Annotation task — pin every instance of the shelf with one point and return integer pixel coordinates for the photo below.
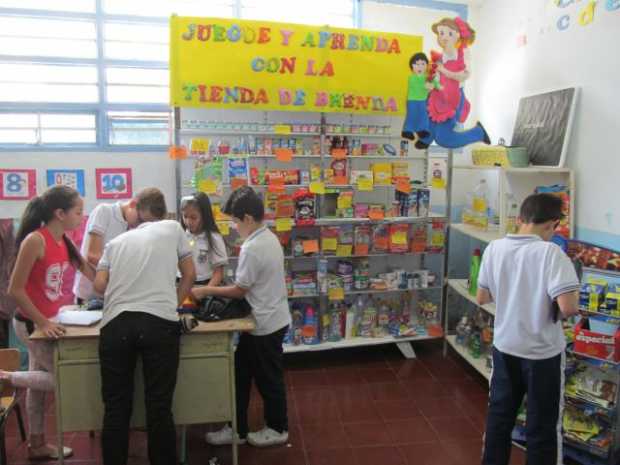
(368, 292)
(509, 169)
(337, 221)
(460, 286)
(608, 412)
(362, 136)
(479, 364)
(355, 342)
(310, 296)
(325, 157)
(476, 233)
(242, 132)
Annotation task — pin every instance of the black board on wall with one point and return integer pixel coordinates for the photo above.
(543, 125)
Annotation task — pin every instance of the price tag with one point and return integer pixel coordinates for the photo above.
(403, 185)
(364, 184)
(344, 201)
(339, 154)
(199, 145)
(339, 180)
(311, 246)
(335, 293)
(282, 129)
(236, 183)
(284, 224)
(284, 155)
(224, 227)
(208, 186)
(437, 239)
(177, 152)
(399, 238)
(330, 243)
(317, 187)
(438, 183)
(344, 250)
(376, 215)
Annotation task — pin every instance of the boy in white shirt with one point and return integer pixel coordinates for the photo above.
(524, 273)
(105, 222)
(260, 278)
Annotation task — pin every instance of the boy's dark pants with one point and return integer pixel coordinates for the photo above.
(542, 381)
(259, 358)
(157, 342)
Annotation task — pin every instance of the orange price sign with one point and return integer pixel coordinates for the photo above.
(403, 185)
(376, 215)
(177, 152)
(276, 185)
(339, 154)
(284, 155)
(311, 246)
(236, 183)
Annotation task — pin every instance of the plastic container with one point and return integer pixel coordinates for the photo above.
(474, 269)
(480, 205)
(518, 157)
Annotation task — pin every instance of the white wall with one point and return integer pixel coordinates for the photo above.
(584, 56)
(148, 170)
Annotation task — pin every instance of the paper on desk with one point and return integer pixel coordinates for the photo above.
(79, 317)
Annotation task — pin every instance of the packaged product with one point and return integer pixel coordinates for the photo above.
(419, 239)
(362, 235)
(382, 173)
(329, 239)
(398, 238)
(237, 168)
(380, 238)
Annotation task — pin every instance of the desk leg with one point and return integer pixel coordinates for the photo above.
(233, 395)
(57, 402)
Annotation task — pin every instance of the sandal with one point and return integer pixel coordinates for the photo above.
(48, 452)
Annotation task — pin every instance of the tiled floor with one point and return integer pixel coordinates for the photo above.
(366, 406)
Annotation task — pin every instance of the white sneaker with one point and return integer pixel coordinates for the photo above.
(267, 437)
(223, 437)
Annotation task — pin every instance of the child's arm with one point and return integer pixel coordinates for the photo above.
(232, 292)
(188, 275)
(101, 281)
(87, 268)
(31, 249)
(569, 303)
(217, 276)
(95, 248)
(483, 296)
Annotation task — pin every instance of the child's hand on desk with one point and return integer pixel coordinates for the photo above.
(199, 293)
(54, 330)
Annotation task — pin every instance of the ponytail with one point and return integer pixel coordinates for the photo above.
(32, 218)
(75, 257)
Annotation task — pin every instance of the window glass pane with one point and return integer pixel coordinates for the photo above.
(84, 6)
(139, 128)
(61, 120)
(136, 51)
(157, 77)
(48, 47)
(18, 120)
(68, 136)
(158, 34)
(48, 93)
(333, 12)
(137, 94)
(165, 8)
(18, 136)
(18, 26)
(17, 73)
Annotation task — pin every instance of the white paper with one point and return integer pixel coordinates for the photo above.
(79, 317)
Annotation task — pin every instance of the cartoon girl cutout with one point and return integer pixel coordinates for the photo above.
(447, 105)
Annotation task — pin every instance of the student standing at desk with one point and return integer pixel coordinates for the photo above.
(137, 274)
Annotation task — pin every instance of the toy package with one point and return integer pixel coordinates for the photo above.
(362, 236)
(329, 239)
(380, 238)
(237, 168)
(419, 238)
(361, 210)
(305, 206)
(398, 238)
(438, 237)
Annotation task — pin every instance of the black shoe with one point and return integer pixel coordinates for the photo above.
(422, 134)
(407, 135)
(421, 145)
(486, 139)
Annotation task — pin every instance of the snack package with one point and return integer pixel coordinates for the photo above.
(380, 238)
(270, 200)
(398, 238)
(591, 297)
(357, 174)
(329, 239)
(382, 173)
(361, 210)
(285, 206)
(361, 237)
(419, 238)
(237, 168)
(438, 237)
(305, 205)
(400, 169)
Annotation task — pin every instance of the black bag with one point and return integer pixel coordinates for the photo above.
(221, 308)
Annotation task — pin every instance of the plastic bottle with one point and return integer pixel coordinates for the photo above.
(354, 313)
(480, 204)
(474, 269)
(383, 320)
(368, 319)
(310, 330)
(460, 330)
(475, 344)
(512, 212)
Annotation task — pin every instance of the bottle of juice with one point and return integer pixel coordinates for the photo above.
(474, 269)
(460, 331)
(480, 204)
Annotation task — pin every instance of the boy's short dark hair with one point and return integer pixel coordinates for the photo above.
(417, 57)
(244, 201)
(540, 208)
(152, 200)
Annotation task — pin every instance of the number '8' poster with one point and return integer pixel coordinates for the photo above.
(18, 184)
(114, 183)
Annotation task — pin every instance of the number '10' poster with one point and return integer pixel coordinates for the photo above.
(114, 183)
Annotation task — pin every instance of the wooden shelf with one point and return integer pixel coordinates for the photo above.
(510, 169)
(354, 342)
(479, 364)
(460, 286)
(476, 233)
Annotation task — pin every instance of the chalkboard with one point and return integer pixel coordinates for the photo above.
(543, 125)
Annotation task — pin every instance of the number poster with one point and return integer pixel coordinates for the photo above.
(18, 184)
(71, 178)
(114, 183)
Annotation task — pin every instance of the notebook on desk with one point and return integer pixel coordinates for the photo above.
(79, 317)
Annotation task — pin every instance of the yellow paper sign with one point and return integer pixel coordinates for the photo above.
(344, 250)
(438, 183)
(335, 293)
(437, 239)
(399, 238)
(330, 243)
(317, 187)
(224, 227)
(365, 184)
(344, 201)
(208, 186)
(284, 224)
(199, 145)
(288, 67)
(282, 129)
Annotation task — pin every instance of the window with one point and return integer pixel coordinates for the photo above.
(164, 8)
(139, 128)
(136, 41)
(85, 6)
(47, 128)
(338, 13)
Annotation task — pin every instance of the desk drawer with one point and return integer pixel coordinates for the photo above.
(78, 349)
(204, 343)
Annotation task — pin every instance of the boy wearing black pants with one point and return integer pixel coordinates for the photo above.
(260, 279)
(524, 273)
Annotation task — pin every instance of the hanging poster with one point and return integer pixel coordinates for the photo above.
(18, 184)
(113, 183)
(290, 67)
(71, 178)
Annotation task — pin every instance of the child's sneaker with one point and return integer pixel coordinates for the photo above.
(267, 437)
(223, 437)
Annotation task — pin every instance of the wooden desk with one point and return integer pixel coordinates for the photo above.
(205, 391)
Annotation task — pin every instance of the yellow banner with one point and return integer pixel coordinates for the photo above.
(259, 65)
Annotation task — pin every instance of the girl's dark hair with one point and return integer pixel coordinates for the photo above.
(200, 201)
(245, 201)
(540, 208)
(40, 210)
(417, 57)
